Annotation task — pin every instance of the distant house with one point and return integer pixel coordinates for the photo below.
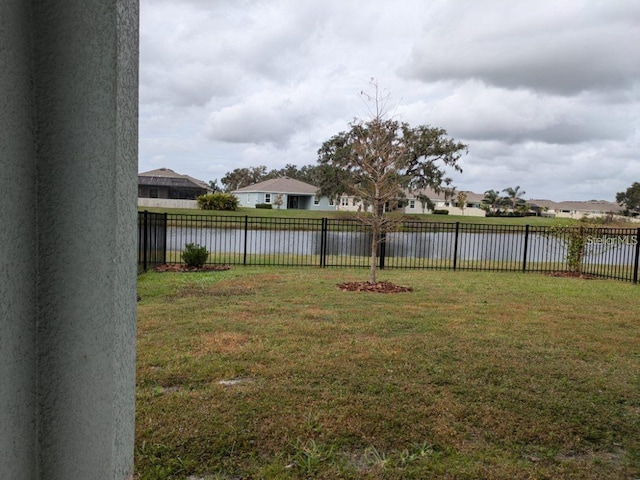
(415, 202)
(576, 210)
(283, 193)
(165, 188)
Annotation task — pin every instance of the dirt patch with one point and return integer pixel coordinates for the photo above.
(379, 287)
(177, 267)
(584, 276)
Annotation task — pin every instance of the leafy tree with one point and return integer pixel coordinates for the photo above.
(213, 185)
(630, 199)
(426, 202)
(278, 200)
(513, 195)
(377, 160)
(304, 173)
(243, 177)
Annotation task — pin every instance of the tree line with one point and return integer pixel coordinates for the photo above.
(244, 177)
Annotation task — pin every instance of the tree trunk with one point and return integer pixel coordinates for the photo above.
(374, 256)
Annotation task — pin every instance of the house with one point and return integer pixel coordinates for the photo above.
(412, 203)
(284, 193)
(165, 188)
(575, 210)
(415, 202)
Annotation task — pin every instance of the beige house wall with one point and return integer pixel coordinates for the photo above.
(439, 205)
(167, 203)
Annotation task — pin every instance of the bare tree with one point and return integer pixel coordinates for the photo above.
(462, 201)
(381, 158)
(277, 201)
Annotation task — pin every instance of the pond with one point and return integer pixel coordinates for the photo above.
(499, 247)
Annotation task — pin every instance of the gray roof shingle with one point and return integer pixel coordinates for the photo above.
(165, 177)
(280, 185)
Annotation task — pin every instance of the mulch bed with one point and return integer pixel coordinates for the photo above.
(380, 287)
(177, 267)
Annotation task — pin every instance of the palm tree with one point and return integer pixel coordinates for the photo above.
(491, 200)
(514, 194)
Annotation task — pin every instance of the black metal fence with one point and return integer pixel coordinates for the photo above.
(603, 252)
(152, 240)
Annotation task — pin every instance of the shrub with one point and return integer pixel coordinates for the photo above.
(218, 201)
(441, 212)
(195, 255)
(268, 206)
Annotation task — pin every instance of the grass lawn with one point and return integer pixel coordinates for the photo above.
(274, 373)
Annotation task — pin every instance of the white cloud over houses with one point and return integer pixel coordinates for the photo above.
(546, 94)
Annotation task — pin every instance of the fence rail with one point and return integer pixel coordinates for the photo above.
(603, 252)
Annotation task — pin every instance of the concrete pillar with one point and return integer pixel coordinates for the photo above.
(68, 172)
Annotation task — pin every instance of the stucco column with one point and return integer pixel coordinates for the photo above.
(68, 166)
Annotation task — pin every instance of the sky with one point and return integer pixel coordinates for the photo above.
(545, 93)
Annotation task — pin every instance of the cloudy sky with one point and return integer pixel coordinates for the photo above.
(545, 93)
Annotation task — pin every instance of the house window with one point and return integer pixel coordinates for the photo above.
(267, 198)
(344, 201)
(331, 202)
(153, 193)
(412, 204)
(316, 200)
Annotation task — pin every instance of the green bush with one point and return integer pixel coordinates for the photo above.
(441, 212)
(218, 201)
(195, 255)
(268, 206)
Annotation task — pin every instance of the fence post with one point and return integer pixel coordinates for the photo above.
(145, 240)
(246, 228)
(526, 246)
(382, 242)
(323, 243)
(635, 266)
(455, 247)
(164, 245)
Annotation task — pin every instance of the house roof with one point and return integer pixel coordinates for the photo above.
(430, 194)
(165, 177)
(595, 206)
(474, 197)
(286, 185)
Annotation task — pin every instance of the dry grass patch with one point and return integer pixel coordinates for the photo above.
(471, 375)
(224, 342)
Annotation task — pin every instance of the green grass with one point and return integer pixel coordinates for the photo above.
(291, 213)
(472, 375)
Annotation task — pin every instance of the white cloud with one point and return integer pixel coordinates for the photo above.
(545, 93)
(475, 111)
(560, 47)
